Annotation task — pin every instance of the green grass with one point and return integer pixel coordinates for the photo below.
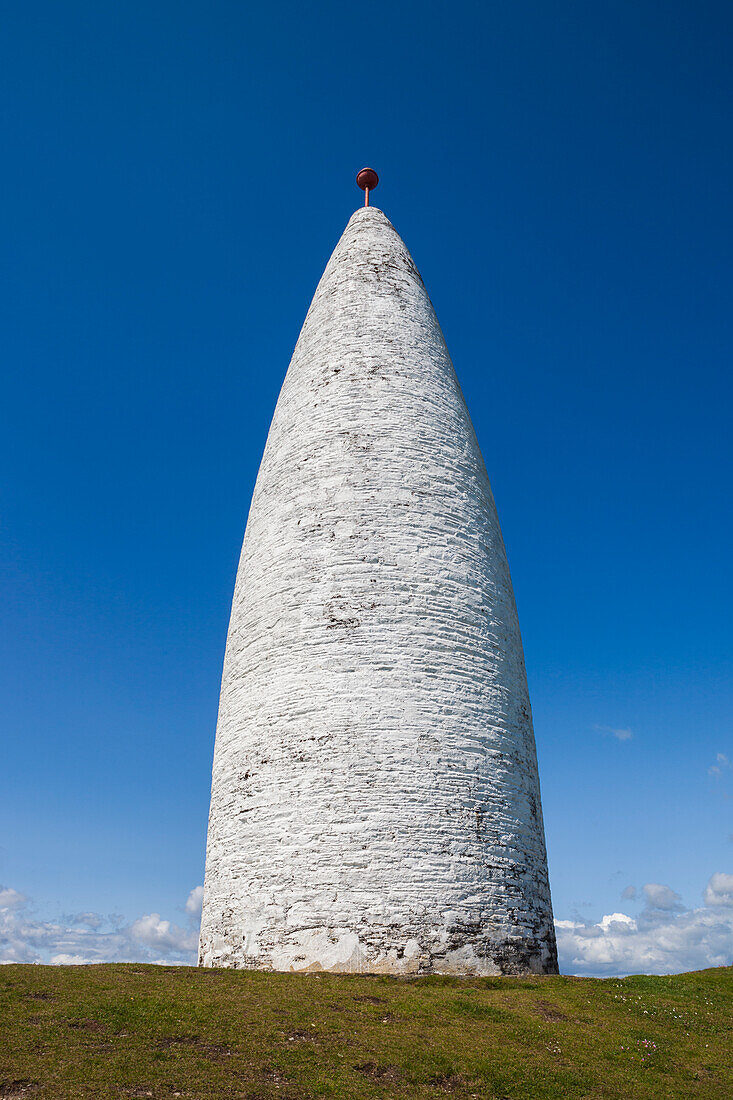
(124, 1031)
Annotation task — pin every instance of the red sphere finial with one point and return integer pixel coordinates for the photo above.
(367, 179)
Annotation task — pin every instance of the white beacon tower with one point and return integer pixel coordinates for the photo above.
(375, 802)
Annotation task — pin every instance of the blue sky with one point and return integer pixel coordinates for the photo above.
(175, 177)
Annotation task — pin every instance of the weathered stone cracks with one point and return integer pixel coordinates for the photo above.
(375, 800)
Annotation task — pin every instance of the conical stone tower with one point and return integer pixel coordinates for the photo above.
(375, 802)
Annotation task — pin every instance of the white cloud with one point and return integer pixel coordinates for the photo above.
(11, 899)
(91, 920)
(621, 922)
(195, 901)
(662, 897)
(721, 763)
(719, 890)
(664, 939)
(89, 938)
(621, 734)
(152, 931)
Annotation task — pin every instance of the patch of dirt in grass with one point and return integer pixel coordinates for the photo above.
(272, 1073)
(282, 1096)
(447, 1082)
(86, 1025)
(301, 1036)
(143, 1092)
(375, 1072)
(41, 995)
(217, 1051)
(16, 1090)
(367, 1000)
(178, 1040)
(280, 1080)
(548, 1011)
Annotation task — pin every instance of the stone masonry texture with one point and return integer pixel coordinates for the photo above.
(375, 802)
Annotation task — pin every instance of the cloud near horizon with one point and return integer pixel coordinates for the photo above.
(195, 901)
(664, 938)
(89, 937)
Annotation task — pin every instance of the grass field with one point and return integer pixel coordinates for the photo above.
(129, 1030)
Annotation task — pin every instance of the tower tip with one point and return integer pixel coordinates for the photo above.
(367, 179)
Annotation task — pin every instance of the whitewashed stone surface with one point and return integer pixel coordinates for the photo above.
(375, 802)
